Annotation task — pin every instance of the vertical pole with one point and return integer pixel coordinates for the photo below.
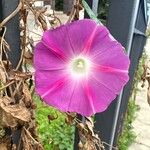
(67, 6)
(13, 38)
(128, 49)
(53, 4)
(50, 2)
(90, 2)
(95, 6)
(0, 11)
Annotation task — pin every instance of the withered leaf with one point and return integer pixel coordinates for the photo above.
(89, 145)
(8, 120)
(5, 143)
(52, 117)
(88, 139)
(3, 146)
(28, 57)
(2, 75)
(16, 111)
(29, 143)
(70, 118)
(146, 76)
(18, 75)
(148, 95)
(26, 92)
(90, 125)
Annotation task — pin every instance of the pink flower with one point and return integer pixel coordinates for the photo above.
(80, 67)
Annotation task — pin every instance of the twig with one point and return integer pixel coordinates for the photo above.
(1, 52)
(115, 148)
(28, 133)
(73, 11)
(1, 43)
(34, 33)
(23, 44)
(5, 86)
(54, 16)
(17, 88)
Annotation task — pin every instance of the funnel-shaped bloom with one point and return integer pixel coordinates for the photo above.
(80, 67)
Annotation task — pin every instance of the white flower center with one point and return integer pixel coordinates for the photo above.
(80, 67)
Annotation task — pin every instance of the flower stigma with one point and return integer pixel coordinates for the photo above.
(80, 67)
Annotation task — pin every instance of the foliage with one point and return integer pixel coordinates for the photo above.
(138, 75)
(103, 10)
(54, 134)
(128, 136)
(59, 4)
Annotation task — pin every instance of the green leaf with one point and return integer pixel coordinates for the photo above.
(90, 12)
(56, 134)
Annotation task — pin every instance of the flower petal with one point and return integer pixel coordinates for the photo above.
(100, 99)
(81, 34)
(62, 93)
(101, 41)
(53, 88)
(44, 59)
(106, 51)
(80, 102)
(58, 41)
(111, 78)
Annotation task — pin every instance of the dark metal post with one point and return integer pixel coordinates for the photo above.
(13, 38)
(67, 5)
(0, 11)
(90, 2)
(13, 32)
(50, 2)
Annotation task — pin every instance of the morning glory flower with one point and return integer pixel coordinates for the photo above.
(80, 67)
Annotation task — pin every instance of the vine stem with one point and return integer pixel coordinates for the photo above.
(11, 15)
(5, 86)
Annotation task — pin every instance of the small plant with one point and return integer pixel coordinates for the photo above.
(128, 136)
(54, 133)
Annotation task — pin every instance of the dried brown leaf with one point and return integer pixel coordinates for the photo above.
(3, 146)
(8, 120)
(52, 117)
(18, 75)
(148, 95)
(29, 142)
(70, 119)
(88, 139)
(2, 75)
(27, 94)
(28, 57)
(146, 76)
(89, 124)
(89, 145)
(16, 111)
(26, 141)
(5, 143)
